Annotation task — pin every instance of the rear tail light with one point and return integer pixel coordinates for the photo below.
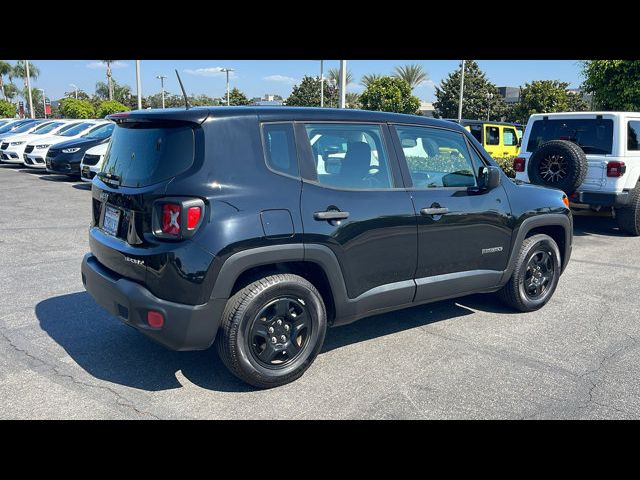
(518, 164)
(193, 217)
(177, 218)
(616, 169)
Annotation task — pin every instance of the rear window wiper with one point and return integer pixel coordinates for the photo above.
(110, 177)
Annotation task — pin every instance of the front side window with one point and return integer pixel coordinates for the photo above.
(476, 131)
(493, 136)
(280, 148)
(436, 157)
(510, 137)
(349, 156)
(101, 132)
(633, 135)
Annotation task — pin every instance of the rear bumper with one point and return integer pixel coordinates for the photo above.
(616, 199)
(186, 327)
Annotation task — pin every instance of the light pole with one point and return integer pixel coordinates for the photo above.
(321, 83)
(75, 88)
(461, 92)
(44, 102)
(161, 78)
(489, 97)
(343, 83)
(138, 85)
(26, 66)
(227, 70)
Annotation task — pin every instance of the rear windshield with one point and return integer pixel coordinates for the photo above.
(143, 154)
(592, 135)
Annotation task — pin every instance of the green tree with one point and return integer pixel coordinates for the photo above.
(82, 95)
(575, 103)
(72, 108)
(10, 91)
(110, 106)
(541, 96)
(109, 78)
(352, 100)
(236, 97)
(7, 109)
(369, 77)
(334, 76)
(121, 93)
(390, 94)
(413, 74)
(307, 94)
(614, 84)
(5, 70)
(480, 95)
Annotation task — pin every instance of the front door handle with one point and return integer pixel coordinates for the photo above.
(434, 211)
(329, 215)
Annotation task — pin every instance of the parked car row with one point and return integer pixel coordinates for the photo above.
(56, 145)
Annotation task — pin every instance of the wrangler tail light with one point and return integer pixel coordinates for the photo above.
(176, 218)
(616, 169)
(518, 164)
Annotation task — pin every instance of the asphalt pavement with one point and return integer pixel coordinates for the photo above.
(64, 357)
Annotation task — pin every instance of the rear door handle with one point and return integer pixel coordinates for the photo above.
(329, 215)
(434, 211)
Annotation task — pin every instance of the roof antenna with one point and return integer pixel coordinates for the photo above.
(184, 94)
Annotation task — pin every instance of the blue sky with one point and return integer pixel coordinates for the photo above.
(258, 77)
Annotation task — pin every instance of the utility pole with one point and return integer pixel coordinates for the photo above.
(461, 93)
(343, 83)
(321, 83)
(227, 70)
(138, 85)
(26, 66)
(161, 78)
(75, 88)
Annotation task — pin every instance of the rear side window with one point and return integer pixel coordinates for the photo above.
(280, 148)
(349, 156)
(633, 135)
(142, 154)
(591, 134)
(510, 138)
(493, 136)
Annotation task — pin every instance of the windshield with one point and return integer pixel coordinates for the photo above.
(593, 135)
(77, 129)
(67, 127)
(24, 128)
(47, 128)
(101, 132)
(143, 154)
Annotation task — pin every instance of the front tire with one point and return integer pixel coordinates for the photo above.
(272, 330)
(535, 276)
(628, 217)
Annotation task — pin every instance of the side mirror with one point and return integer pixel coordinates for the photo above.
(488, 177)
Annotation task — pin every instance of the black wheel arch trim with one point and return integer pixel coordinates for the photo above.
(543, 220)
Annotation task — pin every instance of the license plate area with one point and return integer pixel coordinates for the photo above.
(111, 221)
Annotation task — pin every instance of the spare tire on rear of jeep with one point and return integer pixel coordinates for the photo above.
(559, 164)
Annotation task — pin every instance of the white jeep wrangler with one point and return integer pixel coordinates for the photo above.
(593, 156)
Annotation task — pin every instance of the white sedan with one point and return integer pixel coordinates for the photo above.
(36, 150)
(92, 161)
(12, 149)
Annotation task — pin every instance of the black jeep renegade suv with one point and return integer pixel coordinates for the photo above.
(269, 224)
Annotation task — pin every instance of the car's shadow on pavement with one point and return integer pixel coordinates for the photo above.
(82, 186)
(584, 224)
(52, 177)
(114, 352)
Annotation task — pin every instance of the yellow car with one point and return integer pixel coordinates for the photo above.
(498, 138)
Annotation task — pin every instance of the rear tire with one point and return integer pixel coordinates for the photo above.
(283, 307)
(628, 217)
(535, 276)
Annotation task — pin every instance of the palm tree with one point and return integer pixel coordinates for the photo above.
(370, 77)
(108, 63)
(10, 91)
(352, 100)
(413, 74)
(334, 76)
(5, 69)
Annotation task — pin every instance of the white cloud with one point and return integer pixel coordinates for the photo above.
(280, 78)
(209, 72)
(116, 64)
(428, 84)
